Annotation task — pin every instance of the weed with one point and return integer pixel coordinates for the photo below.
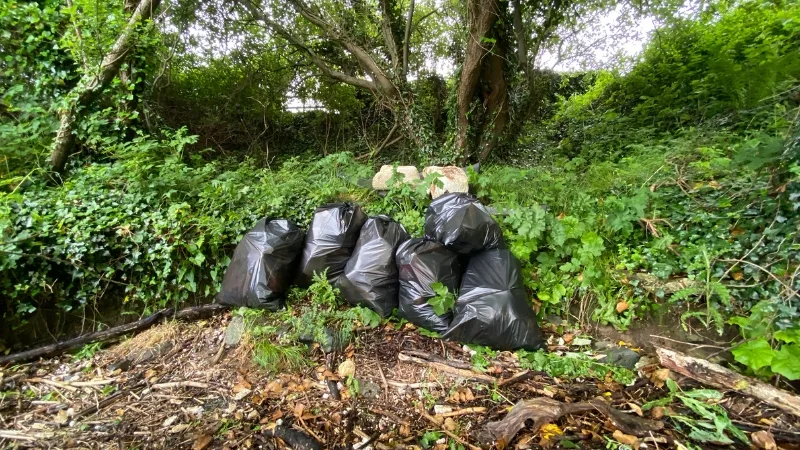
(714, 424)
(573, 365)
(443, 301)
(88, 351)
(279, 358)
(429, 438)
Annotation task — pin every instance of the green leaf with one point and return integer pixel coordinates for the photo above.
(787, 361)
(788, 336)
(754, 354)
(443, 301)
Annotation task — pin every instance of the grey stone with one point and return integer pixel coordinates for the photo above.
(368, 389)
(622, 357)
(234, 331)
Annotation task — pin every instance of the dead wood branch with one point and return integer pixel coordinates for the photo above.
(191, 313)
(464, 411)
(448, 370)
(179, 384)
(546, 410)
(438, 359)
(719, 377)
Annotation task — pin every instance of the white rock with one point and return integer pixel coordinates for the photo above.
(453, 179)
(381, 179)
(441, 409)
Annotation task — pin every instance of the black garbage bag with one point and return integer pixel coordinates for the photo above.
(370, 276)
(330, 241)
(462, 224)
(263, 265)
(492, 308)
(420, 263)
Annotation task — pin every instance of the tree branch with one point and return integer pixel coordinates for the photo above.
(407, 37)
(386, 86)
(388, 36)
(297, 42)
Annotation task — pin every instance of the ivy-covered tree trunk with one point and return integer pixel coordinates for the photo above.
(483, 76)
(91, 86)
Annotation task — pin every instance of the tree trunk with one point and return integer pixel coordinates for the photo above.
(482, 14)
(92, 86)
(495, 100)
(407, 38)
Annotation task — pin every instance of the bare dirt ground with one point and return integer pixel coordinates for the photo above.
(172, 387)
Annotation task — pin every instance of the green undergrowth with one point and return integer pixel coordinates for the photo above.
(151, 230)
(314, 317)
(574, 365)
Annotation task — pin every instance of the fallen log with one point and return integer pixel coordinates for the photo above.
(546, 410)
(191, 313)
(719, 377)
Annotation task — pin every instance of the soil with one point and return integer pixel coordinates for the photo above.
(177, 386)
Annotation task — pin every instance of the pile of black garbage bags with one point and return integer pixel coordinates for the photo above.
(375, 263)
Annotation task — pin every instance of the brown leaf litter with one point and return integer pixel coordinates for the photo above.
(145, 393)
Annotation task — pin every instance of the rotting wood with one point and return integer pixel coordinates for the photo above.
(719, 377)
(188, 314)
(546, 410)
(448, 370)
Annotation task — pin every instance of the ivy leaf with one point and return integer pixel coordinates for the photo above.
(754, 354)
(787, 362)
(788, 336)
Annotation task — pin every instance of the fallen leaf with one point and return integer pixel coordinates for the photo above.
(622, 306)
(347, 368)
(180, 428)
(241, 386)
(202, 442)
(658, 412)
(550, 430)
(659, 377)
(61, 417)
(626, 439)
(242, 394)
(450, 424)
(635, 408)
(298, 409)
(763, 439)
